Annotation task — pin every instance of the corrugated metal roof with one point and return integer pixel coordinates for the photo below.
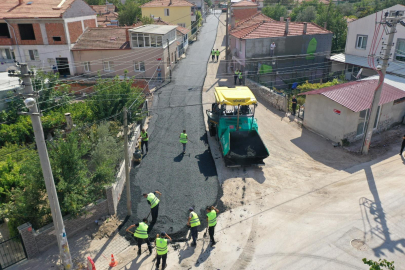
(358, 95)
(397, 68)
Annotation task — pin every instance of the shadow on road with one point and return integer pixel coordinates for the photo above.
(380, 230)
(179, 157)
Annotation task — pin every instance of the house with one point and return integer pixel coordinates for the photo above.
(172, 11)
(8, 86)
(139, 51)
(106, 15)
(41, 32)
(300, 52)
(359, 41)
(242, 10)
(339, 112)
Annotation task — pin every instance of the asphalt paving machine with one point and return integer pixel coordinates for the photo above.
(231, 120)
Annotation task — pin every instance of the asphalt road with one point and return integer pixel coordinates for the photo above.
(188, 180)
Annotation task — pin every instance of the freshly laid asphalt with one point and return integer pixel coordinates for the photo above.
(188, 180)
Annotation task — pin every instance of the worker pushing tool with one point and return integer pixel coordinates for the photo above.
(212, 222)
(144, 140)
(141, 234)
(153, 200)
(161, 243)
(193, 222)
(183, 140)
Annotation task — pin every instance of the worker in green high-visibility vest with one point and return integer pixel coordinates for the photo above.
(212, 55)
(161, 243)
(184, 140)
(217, 54)
(193, 222)
(153, 201)
(141, 234)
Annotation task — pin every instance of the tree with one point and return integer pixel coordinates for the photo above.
(307, 15)
(275, 12)
(379, 265)
(335, 22)
(279, 2)
(129, 13)
(147, 20)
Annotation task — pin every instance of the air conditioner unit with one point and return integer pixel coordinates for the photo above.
(393, 13)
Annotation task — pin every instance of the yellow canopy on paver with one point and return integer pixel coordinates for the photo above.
(234, 96)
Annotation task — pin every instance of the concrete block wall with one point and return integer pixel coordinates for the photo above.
(115, 190)
(271, 98)
(39, 241)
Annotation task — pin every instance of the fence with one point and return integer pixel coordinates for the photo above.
(12, 251)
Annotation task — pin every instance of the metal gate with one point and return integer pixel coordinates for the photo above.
(12, 251)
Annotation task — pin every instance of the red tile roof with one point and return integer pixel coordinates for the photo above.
(256, 18)
(245, 3)
(166, 3)
(358, 96)
(37, 8)
(113, 38)
(277, 29)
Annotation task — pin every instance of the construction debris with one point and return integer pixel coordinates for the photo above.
(108, 225)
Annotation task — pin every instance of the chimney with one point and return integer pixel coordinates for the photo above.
(305, 28)
(170, 2)
(20, 2)
(286, 26)
(281, 19)
(324, 25)
(232, 22)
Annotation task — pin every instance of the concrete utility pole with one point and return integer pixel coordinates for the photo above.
(31, 104)
(127, 180)
(376, 98)
(227, 37)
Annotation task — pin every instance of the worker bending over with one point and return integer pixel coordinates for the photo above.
(141, 235)
(153, 200)
(161, 249)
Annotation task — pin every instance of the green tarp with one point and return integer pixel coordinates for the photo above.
(265, 69)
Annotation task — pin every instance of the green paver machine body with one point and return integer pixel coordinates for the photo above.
(231, 120)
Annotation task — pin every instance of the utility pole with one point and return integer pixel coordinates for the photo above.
(127, 181)
(376, 98)
(227, 37)
(170, 65)
(31, 104)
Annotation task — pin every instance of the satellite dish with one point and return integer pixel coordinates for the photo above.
(358, 74)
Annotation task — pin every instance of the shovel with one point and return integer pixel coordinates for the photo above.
(205, 234)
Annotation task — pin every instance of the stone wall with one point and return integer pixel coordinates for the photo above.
(382, 126)
(38, 241)
(270, 97)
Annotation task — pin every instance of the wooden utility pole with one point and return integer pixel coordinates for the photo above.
(127, 164)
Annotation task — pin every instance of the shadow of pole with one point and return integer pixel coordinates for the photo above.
(381, 230)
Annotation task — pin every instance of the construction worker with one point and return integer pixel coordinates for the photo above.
(240, 76)
(193, 222)
(144, 140)
(183, 139)
(153, 200)
(161, 249)
(212, 222)
(235, 76)
(141, 234)
(212, 55)
(217, 54)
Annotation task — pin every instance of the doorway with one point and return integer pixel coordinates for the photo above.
(63, 66)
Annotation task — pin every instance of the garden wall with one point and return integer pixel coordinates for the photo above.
(269, 96)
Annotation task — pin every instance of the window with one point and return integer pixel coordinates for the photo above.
(26, 31)
(166, 12)
(134, 38)
(400, 51)
(363, 115)
(108, 66)
(136, 66)
(140, 41)
(4, 32)
(86, 66)
(57, 38)
(361, 42)
(5, 54)
(147, 40)
(31, 55)
(153, 40)
(159, 41)
(181, 24)
(142, 66)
